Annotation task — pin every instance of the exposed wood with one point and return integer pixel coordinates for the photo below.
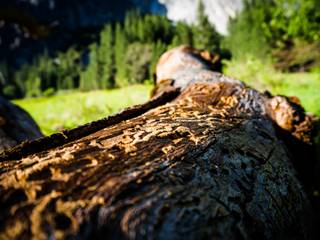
(213, 162)
(16, 125)
(66, 136)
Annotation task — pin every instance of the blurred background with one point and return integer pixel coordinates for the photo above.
(71, 62)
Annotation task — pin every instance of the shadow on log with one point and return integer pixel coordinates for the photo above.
(213, 160)
(16, 125)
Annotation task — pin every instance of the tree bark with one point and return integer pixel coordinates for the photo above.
(207, 157)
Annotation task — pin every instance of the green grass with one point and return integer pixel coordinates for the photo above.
(305, 86)
(70, 109)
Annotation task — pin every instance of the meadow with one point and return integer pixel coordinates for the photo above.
(263, 77)
(67, 110)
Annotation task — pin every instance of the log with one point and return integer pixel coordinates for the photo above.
(207, 157)
(16, 125)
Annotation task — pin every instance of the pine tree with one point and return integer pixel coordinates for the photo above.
(205, 35)
(45, 70)
(137, 59)
(246, 32)
(3, 74)
(158, 49)
(20, 78)
(33, 83)
(131, 25)
(183, 35)
(120, 50)
(89, 79)
(105, 58)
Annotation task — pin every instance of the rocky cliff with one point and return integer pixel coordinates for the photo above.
(218, 11)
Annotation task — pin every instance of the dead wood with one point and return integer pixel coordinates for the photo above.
(214, 161)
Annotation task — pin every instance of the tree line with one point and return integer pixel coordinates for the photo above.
(285, 31)
(125, 53)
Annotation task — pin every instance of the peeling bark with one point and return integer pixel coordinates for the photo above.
(209, 162)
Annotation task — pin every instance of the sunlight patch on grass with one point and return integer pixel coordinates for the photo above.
(70, 109)
(305, 86)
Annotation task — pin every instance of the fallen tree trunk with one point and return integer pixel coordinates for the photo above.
(16, 125)
(210, 161)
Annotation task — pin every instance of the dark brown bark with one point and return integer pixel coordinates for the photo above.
(16, 125)
(214, 162)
